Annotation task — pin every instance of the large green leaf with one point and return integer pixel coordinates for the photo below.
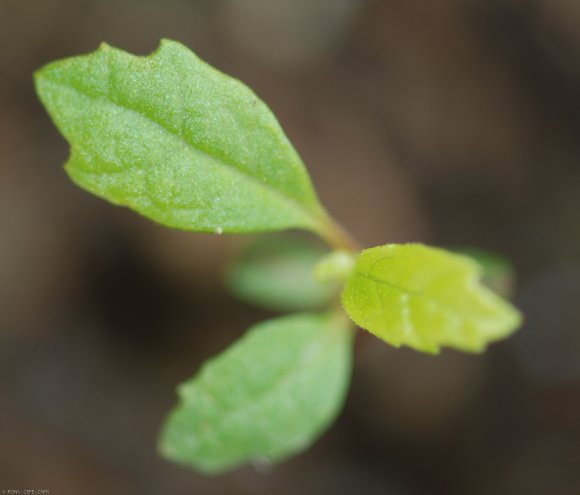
(277, 272)
(425, 298)
(268, 396)
(177, 141)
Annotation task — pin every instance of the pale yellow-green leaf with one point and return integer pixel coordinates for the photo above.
(425, 298)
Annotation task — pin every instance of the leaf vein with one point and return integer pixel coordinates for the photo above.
(231, 167)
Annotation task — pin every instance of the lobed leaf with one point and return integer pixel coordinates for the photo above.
(178, 141)
(425, 298)
(268, 396)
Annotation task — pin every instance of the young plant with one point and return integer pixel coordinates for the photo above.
(191, 148)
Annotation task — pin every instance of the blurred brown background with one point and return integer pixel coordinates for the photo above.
(452, 122)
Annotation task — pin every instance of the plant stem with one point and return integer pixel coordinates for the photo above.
(337, 237)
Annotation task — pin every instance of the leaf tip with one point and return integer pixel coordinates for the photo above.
(104, 47)
(164, 448)
(165, 42)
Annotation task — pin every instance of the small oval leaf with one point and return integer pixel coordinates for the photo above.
(268, 396)
(425, 298)
(277, 272)
(178, 141)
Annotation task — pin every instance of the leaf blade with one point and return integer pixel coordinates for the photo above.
(425, 298)
(266, 397)
(177, 141)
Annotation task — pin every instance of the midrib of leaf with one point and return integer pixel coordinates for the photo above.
(318, 217)
(447, 307)
(284, 378)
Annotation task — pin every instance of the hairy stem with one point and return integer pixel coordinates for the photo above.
(337, 237)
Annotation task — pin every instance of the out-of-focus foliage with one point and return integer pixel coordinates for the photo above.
(278, 272)
(268, 396)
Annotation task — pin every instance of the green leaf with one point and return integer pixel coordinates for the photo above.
(425, 298)
(268, 396)
(277, 272)
(178, 141)
(335, 267)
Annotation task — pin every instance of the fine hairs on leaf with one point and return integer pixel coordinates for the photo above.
(194, 149)
(266, 397)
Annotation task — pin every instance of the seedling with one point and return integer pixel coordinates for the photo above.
(191, 148)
